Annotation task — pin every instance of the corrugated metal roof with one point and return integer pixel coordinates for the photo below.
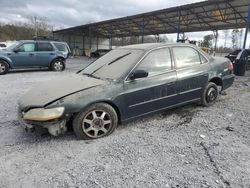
(202, 16)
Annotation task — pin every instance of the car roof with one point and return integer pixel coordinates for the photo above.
(150, 46)
(41, 41)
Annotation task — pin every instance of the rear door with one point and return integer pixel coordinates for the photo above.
(24, 55)
(192, 72)
(155, 92)
(45, 54)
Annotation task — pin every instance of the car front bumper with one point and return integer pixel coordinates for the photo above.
(55, 127)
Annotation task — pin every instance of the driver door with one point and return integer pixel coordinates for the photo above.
(154, 92)
(24, 55)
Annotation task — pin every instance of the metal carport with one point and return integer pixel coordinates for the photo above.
(212, 15)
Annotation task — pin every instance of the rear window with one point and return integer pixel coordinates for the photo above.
(61, 47)
(235, 52)
(2, 45)
(186, 57)
(44, 46)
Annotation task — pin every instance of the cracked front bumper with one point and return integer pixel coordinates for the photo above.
(55, 127)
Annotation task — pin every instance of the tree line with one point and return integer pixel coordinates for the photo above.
(235, 36)
(36, 26)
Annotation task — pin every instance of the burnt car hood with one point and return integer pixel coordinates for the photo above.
(53, 90)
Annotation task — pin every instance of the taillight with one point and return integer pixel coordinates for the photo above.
(231, 68)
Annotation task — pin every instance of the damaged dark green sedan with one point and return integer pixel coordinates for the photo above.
(124, 84)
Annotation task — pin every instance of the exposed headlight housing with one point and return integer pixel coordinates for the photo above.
(42, 114)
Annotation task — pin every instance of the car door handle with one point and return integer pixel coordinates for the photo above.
(31, 54)
(8, 53)
(51, 54)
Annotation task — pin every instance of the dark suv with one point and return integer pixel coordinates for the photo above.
(99, 52)
(34, 54)
(232, 56)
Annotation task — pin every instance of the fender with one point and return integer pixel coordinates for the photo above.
(7, 59)
(59, 57)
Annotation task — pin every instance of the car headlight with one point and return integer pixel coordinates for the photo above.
(42, 114)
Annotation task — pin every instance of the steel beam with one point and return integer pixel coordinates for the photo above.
(247, 28)
(110, 37)
(90, 39)
(142, 30)
(97, 41)
(216, 39)
(178, 25)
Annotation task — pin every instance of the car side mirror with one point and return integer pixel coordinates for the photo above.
(138, 74)
(16, 50)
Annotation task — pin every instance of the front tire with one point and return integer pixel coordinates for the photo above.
(4, 67)
(210, 94)
(97, 121)
(57, 65)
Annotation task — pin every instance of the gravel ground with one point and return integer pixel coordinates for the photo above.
(189, 146)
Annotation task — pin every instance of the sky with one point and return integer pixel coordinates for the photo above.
(68, 13)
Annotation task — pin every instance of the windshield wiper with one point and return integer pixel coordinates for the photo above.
(118, 58)
(79, 71)
(91, 75)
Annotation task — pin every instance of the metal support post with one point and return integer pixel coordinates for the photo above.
(178, 26)
(142, 31)
(247, 28)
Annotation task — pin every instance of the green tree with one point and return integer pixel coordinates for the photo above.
(20, 31)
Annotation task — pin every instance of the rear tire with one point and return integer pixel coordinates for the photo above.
(248, 65)
(97, 121)
(210, 94)
(4, 67)
(57, 65)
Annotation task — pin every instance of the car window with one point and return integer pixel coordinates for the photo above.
(235, 52)
(61, 47)
(2, 45)
(186, 57)
(27, 47)
(203, 59)
(44, 46)
(156, 62)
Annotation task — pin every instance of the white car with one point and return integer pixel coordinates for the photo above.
(2, 45)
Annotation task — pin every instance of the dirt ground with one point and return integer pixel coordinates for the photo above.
(191, 146)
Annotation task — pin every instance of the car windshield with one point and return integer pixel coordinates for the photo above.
(114, 64)
(12, 46)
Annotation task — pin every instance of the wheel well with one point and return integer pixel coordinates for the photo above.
(117, 110)
(6, 62)
(217, 81)
(59, 58)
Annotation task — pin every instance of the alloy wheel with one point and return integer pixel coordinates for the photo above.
(2, 67)
(96, 124)
(58, 66)
(211, 95)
